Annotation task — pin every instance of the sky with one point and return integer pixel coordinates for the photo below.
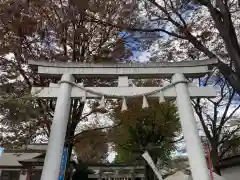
(111, 156)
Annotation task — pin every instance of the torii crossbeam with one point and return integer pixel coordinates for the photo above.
(179, 90)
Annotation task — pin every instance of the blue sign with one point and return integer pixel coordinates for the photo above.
(1, 151)
(63, 164)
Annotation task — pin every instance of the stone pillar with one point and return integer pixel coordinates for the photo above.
(51, 168)
(189, 127)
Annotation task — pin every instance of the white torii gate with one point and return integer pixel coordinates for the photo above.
(179, 90)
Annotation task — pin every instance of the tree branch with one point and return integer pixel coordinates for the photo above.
(21, 71)
(146, 30)
(232, 113)
(223, 119)
(178, 140)
(229, 135)
(95, 129)
(198, 111)
(164, 10)
(226, 150)
(178, 14)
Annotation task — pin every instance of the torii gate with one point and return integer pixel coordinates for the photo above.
(178, 89)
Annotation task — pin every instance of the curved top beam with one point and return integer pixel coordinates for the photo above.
(209, 62)
(133, 70)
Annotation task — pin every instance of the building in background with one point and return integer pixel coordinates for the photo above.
(27, 164)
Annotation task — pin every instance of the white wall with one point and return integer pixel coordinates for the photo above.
(231, 173)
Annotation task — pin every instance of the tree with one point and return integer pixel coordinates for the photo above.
(54, 30)
(215, 115)
(152, 129)
(198, 30)
(197, 23)
(55, 33)
(91, 144)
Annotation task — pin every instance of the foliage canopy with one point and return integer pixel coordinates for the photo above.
(152, 129)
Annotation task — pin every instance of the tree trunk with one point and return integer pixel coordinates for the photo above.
(232, 77)
(215, 160)
(69, 145)
(68, 167)
(223, 22)
(70, 133)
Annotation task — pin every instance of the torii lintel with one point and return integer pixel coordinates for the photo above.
(190, 69)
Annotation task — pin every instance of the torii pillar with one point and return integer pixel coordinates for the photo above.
(181, 92)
